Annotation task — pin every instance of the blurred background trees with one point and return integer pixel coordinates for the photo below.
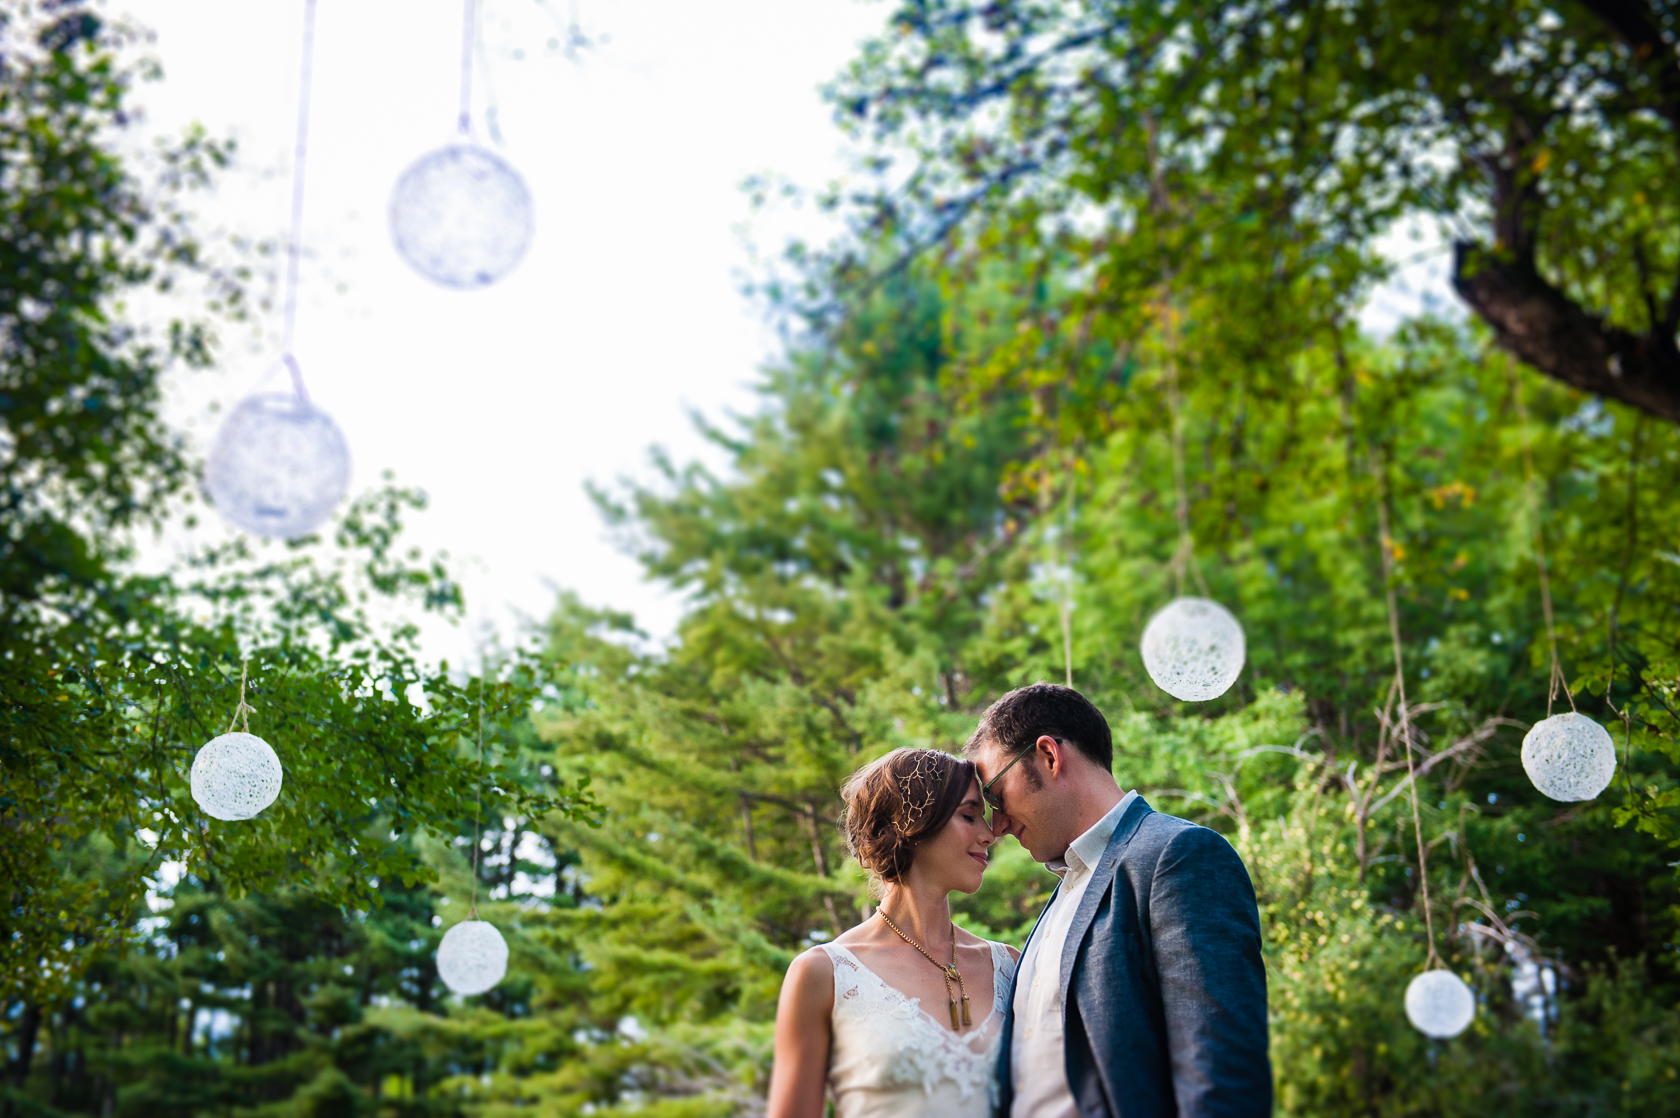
(1105, 238)
(1255, 149)
(111, 679)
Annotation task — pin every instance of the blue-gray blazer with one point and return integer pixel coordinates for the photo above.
(1165, 1015)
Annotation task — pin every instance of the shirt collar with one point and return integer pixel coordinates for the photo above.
(1086, 850)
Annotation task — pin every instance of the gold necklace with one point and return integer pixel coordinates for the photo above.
(949, 972)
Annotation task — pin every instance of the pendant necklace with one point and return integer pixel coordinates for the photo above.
(950, 971)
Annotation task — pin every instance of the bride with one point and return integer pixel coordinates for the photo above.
(900, 1016)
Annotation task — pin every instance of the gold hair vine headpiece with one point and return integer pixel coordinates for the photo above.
(923, 773)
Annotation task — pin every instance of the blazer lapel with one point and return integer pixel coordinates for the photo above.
(1102, 876)
(1054, 893)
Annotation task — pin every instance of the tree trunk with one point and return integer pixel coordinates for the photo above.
(821, 859)
(28, 1029)
(747, 825)
(1543, 327)
(1536, 321)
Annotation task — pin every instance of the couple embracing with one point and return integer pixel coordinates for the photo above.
(1140, 992)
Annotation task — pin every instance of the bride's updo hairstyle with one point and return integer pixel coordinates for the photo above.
(894, 803)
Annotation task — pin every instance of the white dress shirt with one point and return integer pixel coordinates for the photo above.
(1037, 1062)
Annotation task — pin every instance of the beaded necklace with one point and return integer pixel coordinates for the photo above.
(950, 971)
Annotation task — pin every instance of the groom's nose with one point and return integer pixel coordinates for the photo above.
(1002, 825)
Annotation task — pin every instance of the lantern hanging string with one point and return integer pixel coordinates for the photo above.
(1556, 682)
(1184, 558)
(1404, 730)
(244, 710)
(478, 808)
(1066, 604)
(294, 246)
(1625, 713)
(468, 14)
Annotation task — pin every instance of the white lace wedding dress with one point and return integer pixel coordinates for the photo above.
(891, 1059)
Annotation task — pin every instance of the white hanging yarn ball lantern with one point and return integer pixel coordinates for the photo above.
(279, 466)
(461, 216)
(1439, 1004)
(472, 957)
(1193, 649)
(1569, 757)
(235, 776)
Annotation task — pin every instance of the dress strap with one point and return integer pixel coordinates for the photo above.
(848, 974)
(838, 955)
(1003, 977)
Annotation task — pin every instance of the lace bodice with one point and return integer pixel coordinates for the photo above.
(891, 1059)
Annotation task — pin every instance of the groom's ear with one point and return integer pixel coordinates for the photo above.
(1053, 753)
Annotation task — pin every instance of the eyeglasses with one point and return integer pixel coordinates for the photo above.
(986, 793)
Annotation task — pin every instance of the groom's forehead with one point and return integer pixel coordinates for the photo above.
(986, 748)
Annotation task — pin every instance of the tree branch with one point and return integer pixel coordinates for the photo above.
(1542, 326)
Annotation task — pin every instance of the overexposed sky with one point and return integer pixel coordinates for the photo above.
(1421, 282)
(624, 316)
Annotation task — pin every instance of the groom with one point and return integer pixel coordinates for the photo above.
(1141, 992)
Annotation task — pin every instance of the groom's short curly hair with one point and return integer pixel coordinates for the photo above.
(892, 804)
(1025, 714)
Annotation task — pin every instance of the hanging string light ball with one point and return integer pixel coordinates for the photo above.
(1193, 649)
(1439, 1004)
(461, 216)
(235, 776)
(472, 957)
(1569, 757)
(279, 466)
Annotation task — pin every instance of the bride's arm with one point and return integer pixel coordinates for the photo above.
(803, 1026)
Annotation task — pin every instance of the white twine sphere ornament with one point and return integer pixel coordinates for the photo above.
(1569, 757)
(472, 957)
(235, 776)
(1439, 1004)
(1193, 648)
(461, 216)
(279, 466)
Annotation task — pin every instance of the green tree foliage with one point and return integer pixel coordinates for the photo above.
(720, 761)
(1128, 372)
(1199, 186)
(83, 455)
(1254, 151)
(236, 1003)
(834, 577)
(646, 982)
(110, 681)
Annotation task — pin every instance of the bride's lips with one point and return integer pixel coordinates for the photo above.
(981, 858)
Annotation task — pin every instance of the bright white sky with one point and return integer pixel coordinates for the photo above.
(624, 317)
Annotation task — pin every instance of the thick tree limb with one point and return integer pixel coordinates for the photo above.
(1542, 326)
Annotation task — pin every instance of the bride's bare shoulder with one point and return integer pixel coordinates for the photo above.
(866, 934)
(811, 959)
(968, 939)
(810, 979)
